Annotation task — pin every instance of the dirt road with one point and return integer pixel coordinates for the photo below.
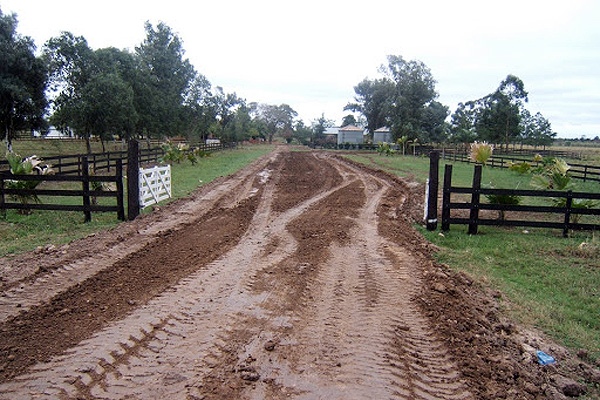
(299, 277)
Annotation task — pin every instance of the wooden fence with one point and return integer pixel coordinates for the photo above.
(566, 217)
(72, 164)
(86, 193)
(577, 171)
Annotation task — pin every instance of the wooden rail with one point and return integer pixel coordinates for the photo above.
(568, 215)
(577, 171)
(72, 164)
(85, 193)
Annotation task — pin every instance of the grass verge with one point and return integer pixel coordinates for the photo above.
(19, 233)
(549, 282)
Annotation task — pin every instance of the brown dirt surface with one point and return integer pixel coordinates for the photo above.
(299, 277)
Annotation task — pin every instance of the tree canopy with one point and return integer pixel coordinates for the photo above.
(23, 81)
(501, 117)
(403, 100)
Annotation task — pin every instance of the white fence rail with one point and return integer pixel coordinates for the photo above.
(155, 185)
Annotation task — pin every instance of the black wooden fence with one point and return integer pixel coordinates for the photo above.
(566, 217)
(76, 168)
(86, 193)
(72, 164)
(577, 171)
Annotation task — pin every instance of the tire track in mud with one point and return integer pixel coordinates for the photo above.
(364, 336)
(351, 327)
(308, 301)
(81, 310)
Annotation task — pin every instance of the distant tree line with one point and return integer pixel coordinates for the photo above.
(403, 99)
(153, 92)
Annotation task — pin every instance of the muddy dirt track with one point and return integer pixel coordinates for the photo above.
(299, 277)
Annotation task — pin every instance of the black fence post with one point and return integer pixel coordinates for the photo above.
(86, 189)
(432, 197)
(133, 180)
(568, 209)
(446, 197)
(120, 191)
(2, 209)
(475, 198)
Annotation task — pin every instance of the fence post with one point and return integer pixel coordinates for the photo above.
(2, 209)
(432, 203)
(133, 180)
(120, 191)
(475, 197)
(568, 209)
(86, 189)
(446, 198)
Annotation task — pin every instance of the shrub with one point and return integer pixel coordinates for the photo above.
(506, 199)
(26, 166)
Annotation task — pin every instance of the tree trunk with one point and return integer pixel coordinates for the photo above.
(88, 145)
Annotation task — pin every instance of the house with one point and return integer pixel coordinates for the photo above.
(382, 135)
(331, 134)
(53, 133)
(350, 134)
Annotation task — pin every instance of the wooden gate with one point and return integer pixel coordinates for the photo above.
(155, 185)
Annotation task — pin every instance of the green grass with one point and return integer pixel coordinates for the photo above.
(549, 282)
(59, 147)
(19, 233)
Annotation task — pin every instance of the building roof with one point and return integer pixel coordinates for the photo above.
(352, 128)
(383, 129)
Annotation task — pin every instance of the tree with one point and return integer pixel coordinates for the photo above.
(349, 120)
(414, 91)
(536, 130)
(462, 125)
(107, 108)
(225, 106)
(302, 133)
(434, 125)
(166, 77)
(319, 126)
(70, 62)
(277, 119)
(23, 82)
(199, 109)
(373, 100)
(495, 118)
(402, 100)
(500, 117)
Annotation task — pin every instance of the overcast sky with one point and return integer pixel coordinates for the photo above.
(310, 54)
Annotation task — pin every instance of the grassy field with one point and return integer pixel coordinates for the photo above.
(549, 282)
(20, 233)
(59, 147)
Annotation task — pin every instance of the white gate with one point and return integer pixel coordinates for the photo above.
(155, 185)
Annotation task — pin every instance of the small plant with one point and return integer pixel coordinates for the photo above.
(481, 152)
(504, 199)
(520, 168)
(26, 166)
(99, 186)
(552, 174)
(174, 153)
(385, 148)
(197, 153)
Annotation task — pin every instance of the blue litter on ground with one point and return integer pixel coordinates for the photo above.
(545, 359)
